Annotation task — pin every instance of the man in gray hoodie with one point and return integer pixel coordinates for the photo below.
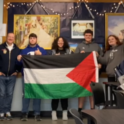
(88, 46)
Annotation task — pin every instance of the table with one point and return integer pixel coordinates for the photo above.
(108, 116)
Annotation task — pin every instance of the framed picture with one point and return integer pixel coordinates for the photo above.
(46, 27)
(79, 26)
(114, 24)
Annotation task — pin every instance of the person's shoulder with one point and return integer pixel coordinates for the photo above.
(2, 45)
(95, 44)
(41, 47)
(16, 47)
(24, 51)
(81, 44)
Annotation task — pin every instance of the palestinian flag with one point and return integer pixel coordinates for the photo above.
(63, 76)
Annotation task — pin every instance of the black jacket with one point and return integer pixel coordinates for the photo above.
(8, 60)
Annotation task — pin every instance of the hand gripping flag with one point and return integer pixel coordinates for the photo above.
(63, 76)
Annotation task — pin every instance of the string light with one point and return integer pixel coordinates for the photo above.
(8, 5)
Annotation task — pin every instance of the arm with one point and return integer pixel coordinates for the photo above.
(53, 52)
(100, 51)
(103, 60)
(43, 51)
(77, 49)
(19, 63)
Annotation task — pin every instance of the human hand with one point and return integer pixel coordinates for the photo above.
(19, 57)
(82, 52)
(58, 54)
(14, 74)
(2, 74)
(99, 66)
(37, 52)
(97, 54)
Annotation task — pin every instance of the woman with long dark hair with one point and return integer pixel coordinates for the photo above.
(114, 56)
(60, 46)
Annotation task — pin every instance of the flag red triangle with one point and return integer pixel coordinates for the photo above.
(85, 72)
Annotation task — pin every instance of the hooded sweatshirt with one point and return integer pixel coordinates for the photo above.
(30, 51)
(112, 58)
(89, 47)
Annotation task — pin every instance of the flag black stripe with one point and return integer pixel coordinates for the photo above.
(53, 61)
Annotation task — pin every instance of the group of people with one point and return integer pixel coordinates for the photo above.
(11, 64)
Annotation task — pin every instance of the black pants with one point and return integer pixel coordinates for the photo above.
(55, 103)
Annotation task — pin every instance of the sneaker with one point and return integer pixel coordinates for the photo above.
(54, 116)
(24, 117)
(37, 117)
(64, 115)
(1, 118)
(8, 117)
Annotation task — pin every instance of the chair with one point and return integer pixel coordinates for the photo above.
(98, 94)
(119, 99)
(111, 86)
(76, 115)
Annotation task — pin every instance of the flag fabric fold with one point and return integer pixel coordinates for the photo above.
(57, 77)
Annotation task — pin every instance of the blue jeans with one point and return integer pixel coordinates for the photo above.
(25, 103)
(7, 85)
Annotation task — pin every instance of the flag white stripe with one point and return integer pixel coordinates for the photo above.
(47, 76)
(96, 64)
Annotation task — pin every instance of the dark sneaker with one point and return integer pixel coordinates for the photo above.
(8, 117)
(37, 117)
(1, 118)
(24, 117)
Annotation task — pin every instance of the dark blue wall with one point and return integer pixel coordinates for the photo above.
(82, 13)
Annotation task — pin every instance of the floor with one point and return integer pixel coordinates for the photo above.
(44, 121)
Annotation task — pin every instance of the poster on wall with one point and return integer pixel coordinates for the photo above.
(79, 26)
(114, 25)
(46, 27)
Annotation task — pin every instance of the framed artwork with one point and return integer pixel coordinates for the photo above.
(46, 27)
(114, 25)
(79, 26)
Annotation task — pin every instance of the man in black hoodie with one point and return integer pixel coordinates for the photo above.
(8, 71)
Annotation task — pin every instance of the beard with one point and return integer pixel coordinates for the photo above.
(32, 44)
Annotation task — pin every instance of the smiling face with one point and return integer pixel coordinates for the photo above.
(60, 43)
(10, 38)
(32, 40)
(112, 41)
(88, 37)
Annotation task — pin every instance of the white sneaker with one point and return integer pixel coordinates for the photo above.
(64, 115)
(1, 116)
(54, 116)
(8, 116)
